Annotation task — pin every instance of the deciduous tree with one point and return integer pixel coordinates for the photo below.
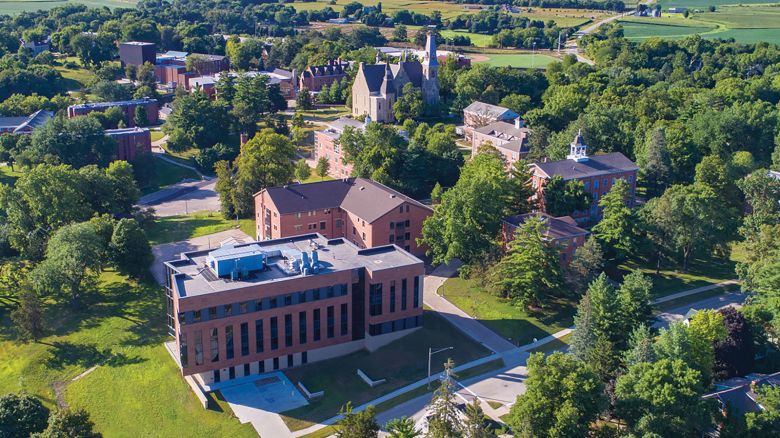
(562, 198)
(21, 415)
(616, 230)
(67, 423)
(323, 167)
(129, 249)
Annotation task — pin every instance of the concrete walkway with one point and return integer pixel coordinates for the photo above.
(697, 290)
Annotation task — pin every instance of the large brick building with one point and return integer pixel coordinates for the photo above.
(480, 114)
(137, 53)
(317, 76)
(509, 139)
(128, 106)
(326, 145)
(130, 142)
(24, 125)
(258, 307)
(362, 211)
(597, 173)
(562, 231)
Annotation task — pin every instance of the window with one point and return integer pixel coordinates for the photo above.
(231, 373)
(401, 209)
(214, 345)
(338, 223)
(302, 327)
(288, 300)
(605, 182)
(407, 208)
(274, 333)
(276, 363)
(331, 322)
(317, 324)
(344, 319)
(392, 238)
(403, 294)
(228, 310)
(375, 299)
(364, 235)
(595, 184)
(289, 360)
(392, 225)
(407, 236)
(198, 348)
(392, 296)
(244, 339)
(229, 341)
(196, 317)
(406, 223)
(183, 358)
(298, 215)
(586, 185)
(322, 225)
(212, 313)
(243, 307)
(261, 366)
(416, 302)
(288, 335)
(259, 336)
(304, 357)
(246, 369)
(354, 231)
(299, 228)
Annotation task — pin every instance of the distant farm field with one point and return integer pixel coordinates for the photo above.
(519, 60)
(641, 31)
(704, 4)
(13, 7)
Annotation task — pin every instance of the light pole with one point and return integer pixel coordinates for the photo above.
(431, 353)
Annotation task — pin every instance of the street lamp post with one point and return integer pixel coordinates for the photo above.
(431, 353)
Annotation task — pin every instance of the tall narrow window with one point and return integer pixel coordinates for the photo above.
(375, 299)
(344, 319)
(199, 347)
(331, 322)
(288, 335)
(302, 327)
(317, 324)
(416, 302)
(214, 345)
(274, 333)
(229, 341)
(244, 339)
(392, 296)
(183, 356)
(403, 294)
(259, 336)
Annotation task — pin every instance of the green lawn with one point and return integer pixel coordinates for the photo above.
(156, 135)
(8, 176)
(553, 345)
(13, 7)
(501, 315)
(672, 280)
(680, 302)
(136, 390)
(177, 228)
(167, 174)
(520, 60)
(324, 115)
(401, 362)
(75, 78)
(641, 31)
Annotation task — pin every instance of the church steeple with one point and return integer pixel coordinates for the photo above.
(578, 150)
(430, 67)
(430, 58)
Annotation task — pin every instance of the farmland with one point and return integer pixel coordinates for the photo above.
(521, 60)
(14, 7)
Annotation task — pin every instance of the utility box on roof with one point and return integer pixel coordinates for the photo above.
(236, 261)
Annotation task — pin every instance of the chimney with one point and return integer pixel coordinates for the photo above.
(519, 123)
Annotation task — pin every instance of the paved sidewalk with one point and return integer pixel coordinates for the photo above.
(457, 317)
(697, 290)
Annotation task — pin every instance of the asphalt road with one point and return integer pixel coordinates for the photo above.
(183, 198)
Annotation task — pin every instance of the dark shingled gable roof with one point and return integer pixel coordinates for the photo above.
(375, 75)
(557, 227)
(595, 165)
(362, 197)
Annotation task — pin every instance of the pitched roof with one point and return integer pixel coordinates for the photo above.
(557, 227)
(595, 165)
(374, 75)
(491, 111)
(413, 70)
(11, 122)
(34, 120)
(343, 122)
(504, 130)
(740, 395)
(516, 146)
(362, 197)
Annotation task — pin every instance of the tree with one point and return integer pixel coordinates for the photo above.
(530, 271)
(519, 103)
(409, 104)
(28, 316)
(522, 188)
(467, 222)
(72, 260)
(120, 181)
(304, 100)
(302, 170)
(323, 167)
(357, 424)
(693, 344)
(21, 415)
(78, 142)
(586, 264)
(400, 34)
(251, 102)
(265, 161)
(654, 164)
(707, 329)
(66, 423)
(662, 399)
(640, 346)
(443, 417)
(139, 117)
(129, 248)
(766, 422)
(734, 355)
(616, 229)
(584, 337)
(402, 428)
(226, 187)
(634, 301)
(477, 424)
(436, 193)
(562, 198)
(196, 121)
(563, 396)
(762, 193)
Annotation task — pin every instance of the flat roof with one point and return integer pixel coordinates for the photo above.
(110, 104)
(195, 278)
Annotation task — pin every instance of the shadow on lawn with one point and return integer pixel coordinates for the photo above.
(85, 355)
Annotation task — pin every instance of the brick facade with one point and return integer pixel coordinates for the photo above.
(128, 106)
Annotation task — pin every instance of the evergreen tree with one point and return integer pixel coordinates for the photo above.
(477, 424)
(402, 428)
(304, 101)
(140, 117)
(522, 188)
(616, 230)
(530, 271)
(70, 424)
(226, 188)
(436, 193)
(357, 424)
(562, 198)
(654, 164)
(584, 337)
(28, 316)
(323, 167)
(302, 170)
(586, 264)
(634, 301)
(640, 346)
(21, 415)
(443, 417)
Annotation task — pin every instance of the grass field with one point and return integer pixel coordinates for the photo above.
(520, 60)
(672, 280)
(501, 315)
(401, 362)
(167, 174)
(13, 7)
(187, 226)
(136, 389)
(8, 176)
(75, 78)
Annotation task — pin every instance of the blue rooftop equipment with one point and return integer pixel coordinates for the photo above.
(236, 262)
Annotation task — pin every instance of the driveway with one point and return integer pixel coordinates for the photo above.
(170, 251)
(183, 198)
